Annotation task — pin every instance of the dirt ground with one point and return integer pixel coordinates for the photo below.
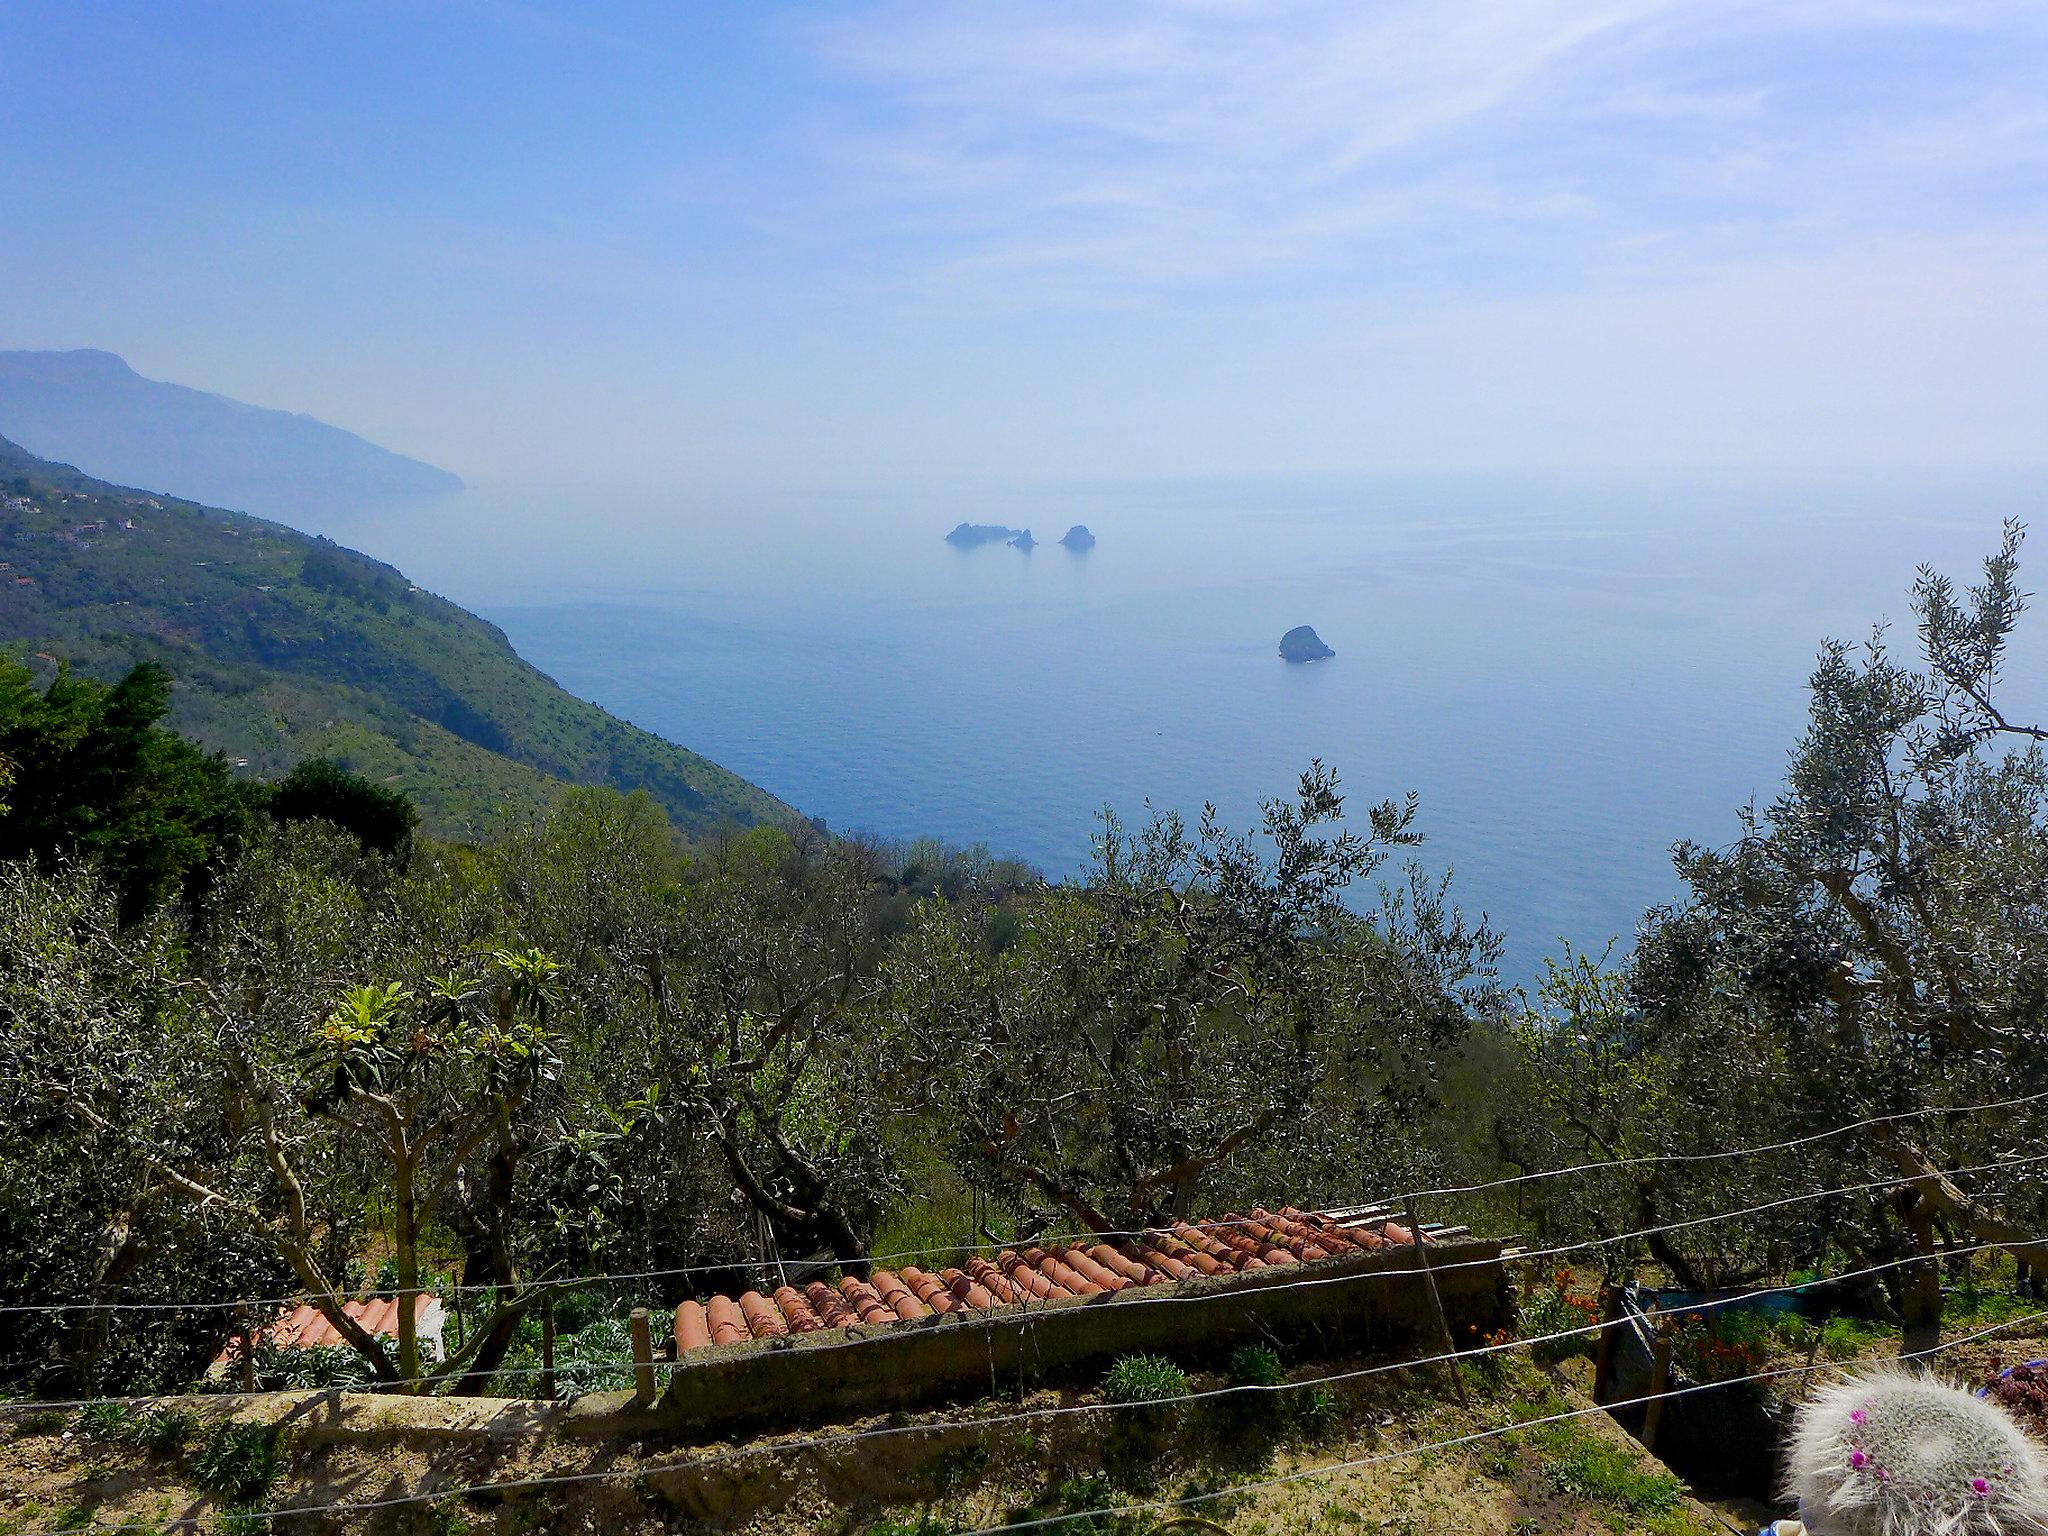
(1255, 1466)
(961, 1470)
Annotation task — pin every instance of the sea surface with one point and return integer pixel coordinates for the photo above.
(1573, 672)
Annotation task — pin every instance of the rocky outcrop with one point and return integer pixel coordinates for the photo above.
(974, 535)
(1302, 643)
(1078, 538)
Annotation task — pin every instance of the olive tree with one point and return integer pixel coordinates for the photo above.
(1204, 999)
(1873, 944)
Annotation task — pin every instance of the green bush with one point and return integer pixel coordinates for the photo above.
(239, 1462)
(104, 1422)
(1144, 1379)
(166, 1431)
(1316, 1413)
(924, 1525)
(1255, 1365)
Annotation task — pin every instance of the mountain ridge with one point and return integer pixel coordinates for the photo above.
(89, 407)
(287, 645)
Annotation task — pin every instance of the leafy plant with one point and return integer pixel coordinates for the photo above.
(1559, 1307)
(1255, 1365)
(239, 1463)
(1144, 1379)
(103, 1422)
(165, 1431)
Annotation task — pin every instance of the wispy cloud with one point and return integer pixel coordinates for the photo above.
(1105, 146)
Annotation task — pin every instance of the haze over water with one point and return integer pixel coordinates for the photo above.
(1572, 672)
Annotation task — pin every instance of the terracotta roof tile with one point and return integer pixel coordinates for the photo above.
(1237, 1244)
(305, 1326)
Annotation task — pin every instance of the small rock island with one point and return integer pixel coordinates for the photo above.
(974, 535)
(1023, 540)
(1078, 538)
(1302, 643)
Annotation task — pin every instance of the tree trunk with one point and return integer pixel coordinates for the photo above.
(1922, 1292)
(406, 1241)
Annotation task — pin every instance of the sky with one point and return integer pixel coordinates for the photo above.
(867, 244)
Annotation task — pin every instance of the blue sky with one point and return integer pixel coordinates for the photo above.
(869, 244)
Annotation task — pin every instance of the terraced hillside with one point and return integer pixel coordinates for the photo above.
(286, 646)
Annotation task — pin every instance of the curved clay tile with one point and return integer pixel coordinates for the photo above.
(759, 1314)
(727, 1326)
(1225, 1244)
(975, 1297)
(1334, 1238)
(1156, 1259)
(1103, 1277)
(930, 1290)
(1291, 1235)
(866, 1301)
(1182, 1252)
(1056, 1269)
(898, 1295)
(379, 1316)
(1025, 1276)
(796, 1310)
(993, 1280)
(1248, 1236)
(1139, 1271)
(827, 1303)
(692, 1331)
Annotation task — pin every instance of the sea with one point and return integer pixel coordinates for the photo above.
(1573, 672)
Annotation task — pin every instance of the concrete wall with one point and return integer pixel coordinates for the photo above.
(1357, 1305)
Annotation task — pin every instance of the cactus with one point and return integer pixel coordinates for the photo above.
(1898, 1453)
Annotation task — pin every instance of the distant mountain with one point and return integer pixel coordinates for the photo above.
(286, 646)
(92, 409)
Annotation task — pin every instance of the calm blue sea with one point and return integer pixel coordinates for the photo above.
(1572, 672)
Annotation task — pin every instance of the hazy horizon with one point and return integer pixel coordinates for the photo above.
(883, 244)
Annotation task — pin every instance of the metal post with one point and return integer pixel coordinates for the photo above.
(547, 1347)
(643, 1359)
(1436, 1302)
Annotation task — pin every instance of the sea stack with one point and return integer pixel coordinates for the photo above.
(1078, 538)
(1023, 540)
(972, 535)
(1302, 643)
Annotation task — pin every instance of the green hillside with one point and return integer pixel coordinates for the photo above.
(286, 646)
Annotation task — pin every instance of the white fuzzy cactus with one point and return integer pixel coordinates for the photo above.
(1897, 1453)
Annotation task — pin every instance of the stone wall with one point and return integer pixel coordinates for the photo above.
(1379, 1303)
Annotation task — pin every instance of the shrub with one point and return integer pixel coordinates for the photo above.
(1255, 1365)
(104, 1421)
(1316, 1413)
(166, 1431)
(239, 1462)
(1552, 1309)
(926, 1524)
(1144, 1379)
(2023, 1392)
(44, 1421)
(1723, 1345)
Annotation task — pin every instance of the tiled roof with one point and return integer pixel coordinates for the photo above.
(306, 1326)
(1162, 1256)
